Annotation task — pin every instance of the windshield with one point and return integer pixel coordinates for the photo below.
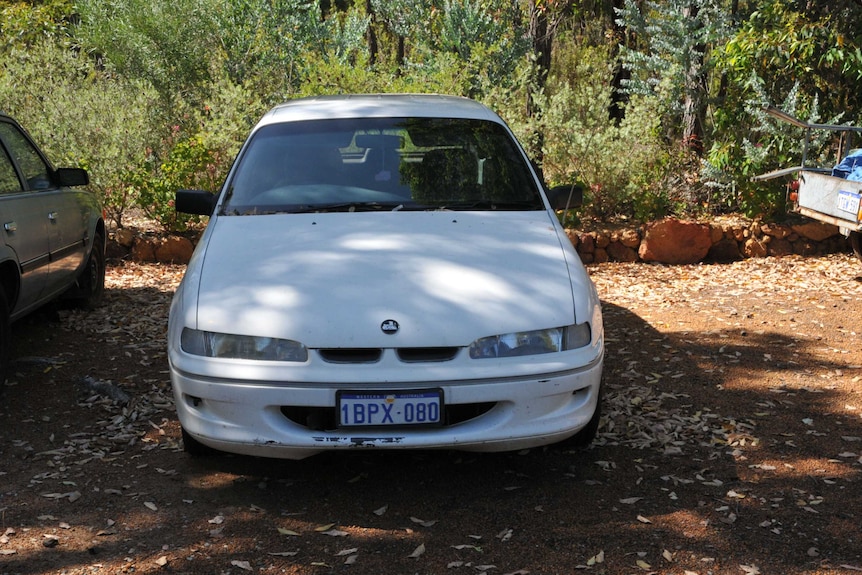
(381, 164)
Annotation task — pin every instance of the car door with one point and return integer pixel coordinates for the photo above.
(64, 211)
(68, 219)
(24, 230)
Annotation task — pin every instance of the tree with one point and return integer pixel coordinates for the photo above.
(29, 22)
(91, 119)
(183, 46)
(670, 60)
(402, 18)
(803, 57)
(544, 16)
(817, 45)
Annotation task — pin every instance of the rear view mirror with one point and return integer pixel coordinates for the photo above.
(196, 202)
(67, 177)
(566, 197)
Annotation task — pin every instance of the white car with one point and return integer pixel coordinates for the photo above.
(383, 272)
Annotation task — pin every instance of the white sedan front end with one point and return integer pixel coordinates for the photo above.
(341, 314)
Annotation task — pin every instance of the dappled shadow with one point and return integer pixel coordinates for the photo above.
(717, 450)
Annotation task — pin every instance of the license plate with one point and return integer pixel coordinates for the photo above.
(848, 202)
(384, 408)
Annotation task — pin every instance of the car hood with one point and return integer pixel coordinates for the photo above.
(333, 280)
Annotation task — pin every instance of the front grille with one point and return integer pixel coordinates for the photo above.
(373, 355)
(324, 418)
(420, 354)
(351, 355)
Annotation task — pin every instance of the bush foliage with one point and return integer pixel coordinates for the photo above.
(655, 109)
(82, 116)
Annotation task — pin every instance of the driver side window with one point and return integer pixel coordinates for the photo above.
(9, 183)
(34, 168)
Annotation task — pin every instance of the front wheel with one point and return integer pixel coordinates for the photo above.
(90, 286)
(5, 339)
(856, 244)
(193, 447)
(585, 436)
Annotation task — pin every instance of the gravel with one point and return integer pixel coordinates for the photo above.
(731, 443)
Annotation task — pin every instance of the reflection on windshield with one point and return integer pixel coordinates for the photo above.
(381, 164)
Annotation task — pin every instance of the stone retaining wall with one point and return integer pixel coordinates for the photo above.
(669, 241)
(674, 241)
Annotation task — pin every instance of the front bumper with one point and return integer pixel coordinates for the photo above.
(255, 417)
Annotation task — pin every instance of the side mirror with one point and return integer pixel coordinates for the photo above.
(67, 177)
(197, 202)
(565, 197)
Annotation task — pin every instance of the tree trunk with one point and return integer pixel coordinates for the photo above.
(723, 81)
(695, 94)
(370, 35)
(619, 97)
(400, 54)
(541, 42)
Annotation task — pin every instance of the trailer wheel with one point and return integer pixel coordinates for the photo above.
(856, 244)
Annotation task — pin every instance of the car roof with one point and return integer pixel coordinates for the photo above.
(378, 106)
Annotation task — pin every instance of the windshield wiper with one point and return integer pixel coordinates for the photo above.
(346, 207)
(493, 205)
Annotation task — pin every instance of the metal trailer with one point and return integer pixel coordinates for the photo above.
(816, 193)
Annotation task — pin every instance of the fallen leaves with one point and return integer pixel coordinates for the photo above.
(688, 452)
(335, 533)
(71, 496)
(418, 552)
(423, 522)
(596, 559)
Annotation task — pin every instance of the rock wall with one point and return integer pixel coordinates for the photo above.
(127, 244)
(674, 241)
(668, 241)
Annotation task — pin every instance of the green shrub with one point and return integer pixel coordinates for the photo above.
(189, 164)
(28, 23)
(82, 116)
(622, 165)
(753, 143)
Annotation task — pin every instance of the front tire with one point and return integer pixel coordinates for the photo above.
(5, 339)
(585, 436)
(193, 447)
(856, 244)
(90, 288)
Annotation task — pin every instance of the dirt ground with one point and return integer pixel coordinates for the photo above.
(731, 444)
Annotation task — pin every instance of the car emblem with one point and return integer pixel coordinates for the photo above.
(389, 326)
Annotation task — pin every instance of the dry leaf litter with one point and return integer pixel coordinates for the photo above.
(697, 469)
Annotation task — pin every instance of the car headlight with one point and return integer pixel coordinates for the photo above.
(532, 342)
(225, 345)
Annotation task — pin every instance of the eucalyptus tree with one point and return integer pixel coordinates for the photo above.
(168, 44)
(801, 56)
(402, 19)
(183, 47)
(669, 56)
(817, 45)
